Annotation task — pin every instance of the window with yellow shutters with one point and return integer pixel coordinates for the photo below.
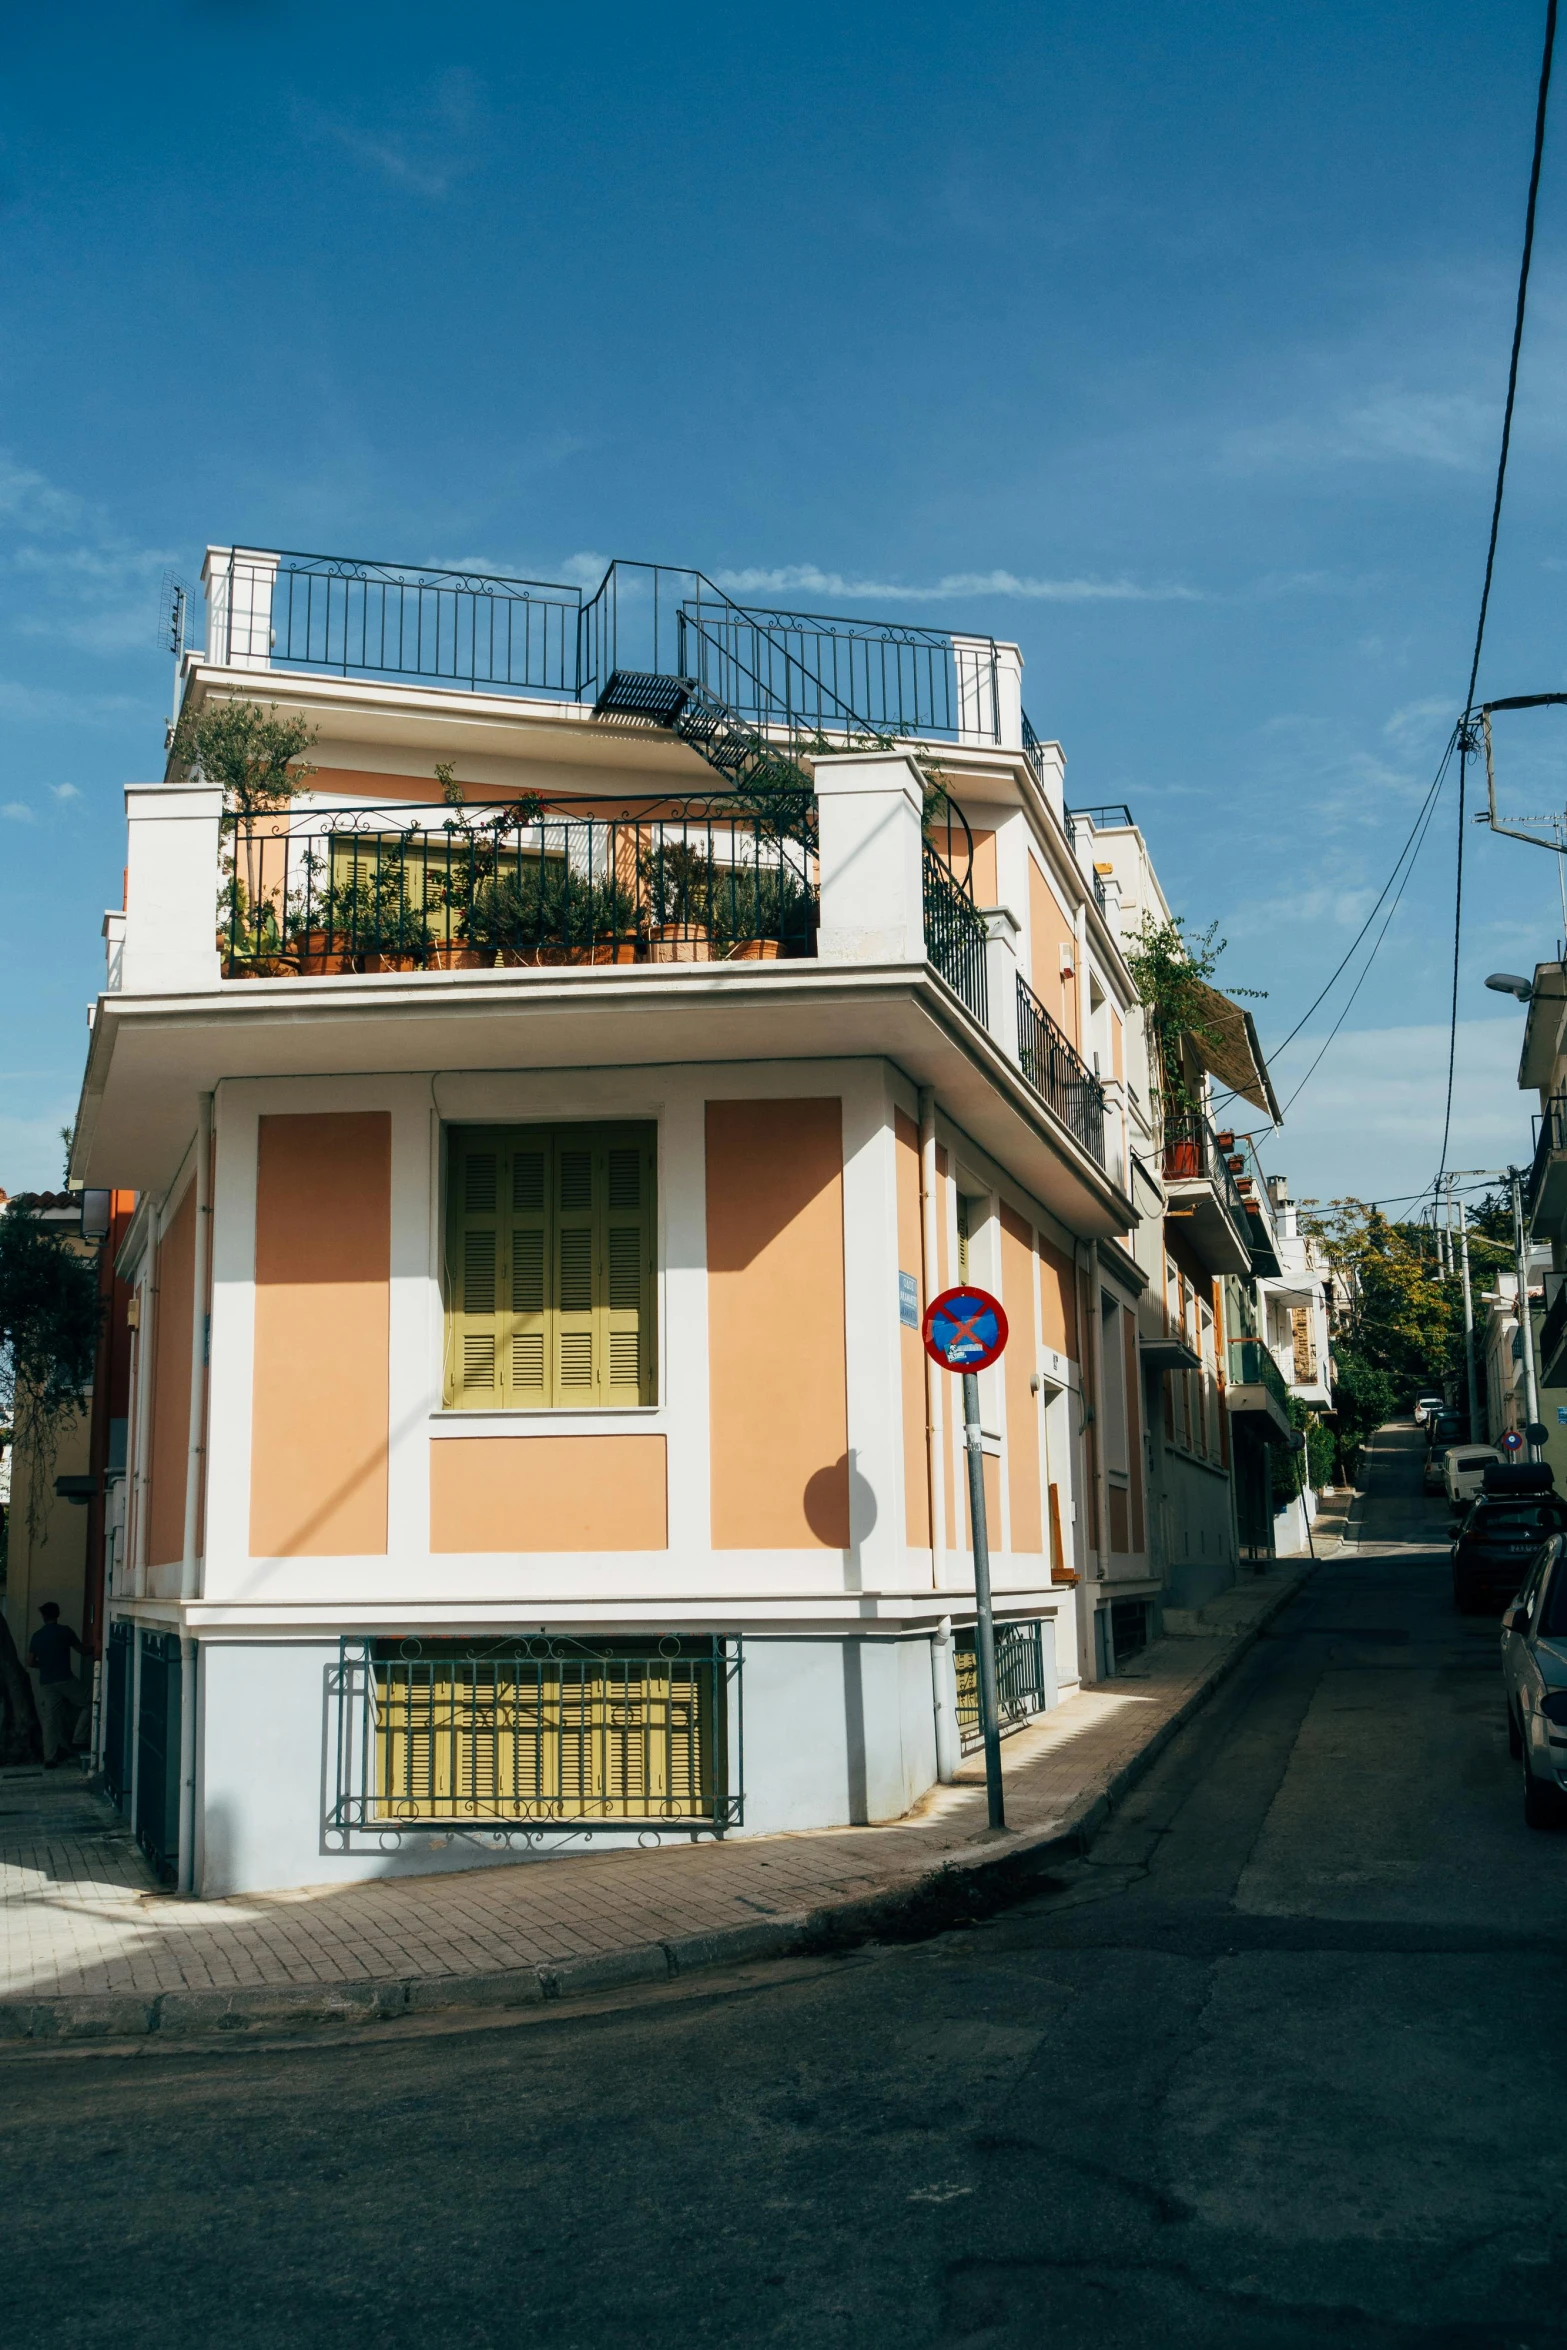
(550, 1238)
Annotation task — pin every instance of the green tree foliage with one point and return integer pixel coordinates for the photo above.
(1404, 1331)
(255, 755)
(1173, 968)
(49, 1313)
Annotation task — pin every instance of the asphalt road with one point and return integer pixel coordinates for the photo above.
(1280, 2065)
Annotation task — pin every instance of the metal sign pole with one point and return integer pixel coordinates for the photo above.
(984, 1618)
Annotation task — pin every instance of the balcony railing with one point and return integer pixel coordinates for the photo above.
(807, 671)
(1552, 1143)
(327, 891)
(1057, 1074)
(1252, 1365)
(955, 936)
(1192, 1153)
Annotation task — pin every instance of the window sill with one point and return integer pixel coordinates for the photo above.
(550, 1419)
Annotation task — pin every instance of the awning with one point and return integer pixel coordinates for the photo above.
(1230, 1050)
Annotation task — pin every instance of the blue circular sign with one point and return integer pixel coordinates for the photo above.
(965, 1329)
(1512, 1440)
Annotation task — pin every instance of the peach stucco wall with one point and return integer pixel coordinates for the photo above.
(1017, 1295)
(549, 1493)
(1048, 932)
(778, 1382)
(170, 1433)
(1134, 1429)
(916, 1456)
(323, 1298)
(1058, 1285)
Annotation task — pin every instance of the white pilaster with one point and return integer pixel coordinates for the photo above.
(871, 807)
(171, 886)
(1002, 929)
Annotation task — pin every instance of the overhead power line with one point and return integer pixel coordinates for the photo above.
(1465, 730)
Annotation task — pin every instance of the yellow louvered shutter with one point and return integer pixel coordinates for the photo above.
(550, 1267)
(476, 1324)
(628, 1270)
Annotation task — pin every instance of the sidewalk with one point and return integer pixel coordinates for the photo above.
(91, 1947)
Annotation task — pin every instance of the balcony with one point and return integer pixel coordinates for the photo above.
(1204, 1199)
(1547, 1186)
(330, 891)
(1257, 1390)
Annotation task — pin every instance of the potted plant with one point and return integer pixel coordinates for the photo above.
(678, 884)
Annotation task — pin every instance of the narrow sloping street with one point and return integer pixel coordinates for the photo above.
(1279, 2064)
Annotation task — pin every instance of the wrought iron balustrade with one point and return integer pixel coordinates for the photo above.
(1192, 1153)
(1058, 1074)
(954, 935)
(323, 891)
(1021, 1687)
(534, 1733)
(346, 617)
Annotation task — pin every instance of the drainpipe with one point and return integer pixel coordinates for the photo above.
(194, 1455)
(146, 1339)
(1096, 1371)
(1525, 1318)
(935, 1401)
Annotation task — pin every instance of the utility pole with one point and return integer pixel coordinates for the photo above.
(1469, 1328)
(1525, 1320)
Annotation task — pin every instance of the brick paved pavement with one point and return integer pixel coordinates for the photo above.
(88, 1942)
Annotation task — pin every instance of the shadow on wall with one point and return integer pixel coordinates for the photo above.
(840, 1504)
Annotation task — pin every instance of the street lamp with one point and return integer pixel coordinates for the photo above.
(1509, 983)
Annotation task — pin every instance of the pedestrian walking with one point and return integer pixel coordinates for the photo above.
(64, 1701)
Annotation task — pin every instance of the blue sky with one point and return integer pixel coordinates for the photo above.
(1170, 341)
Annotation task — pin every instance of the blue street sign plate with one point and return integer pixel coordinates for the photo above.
(908, 1301)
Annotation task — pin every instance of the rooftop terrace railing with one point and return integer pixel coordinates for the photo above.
(332, 890)
(347, 616)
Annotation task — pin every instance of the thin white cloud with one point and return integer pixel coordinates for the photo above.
(1371, 1119)
(18, 811)
(809, 579)
(1452, 431)
(65, 791)
(424, 156)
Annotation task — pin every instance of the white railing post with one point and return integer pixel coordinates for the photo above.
(990, 692)
(1001, 936)
(239, 583)
(170, 923)
(871, 812)
(113, 950)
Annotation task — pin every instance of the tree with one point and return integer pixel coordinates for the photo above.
(255, 755)
(49, 1313)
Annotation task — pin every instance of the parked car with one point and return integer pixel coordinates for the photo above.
(1534, 1680)
(1433, 1475)
(1464, 1467)
(1445, 1427)
(1425, 1405)
(1496, 1545)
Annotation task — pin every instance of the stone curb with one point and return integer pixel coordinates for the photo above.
(979, 1880)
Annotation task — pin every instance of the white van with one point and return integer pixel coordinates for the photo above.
(1463, 1471)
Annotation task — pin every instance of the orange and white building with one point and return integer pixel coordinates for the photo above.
(542, 1172)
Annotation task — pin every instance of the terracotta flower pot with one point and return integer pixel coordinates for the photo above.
(387, 960)
(754, 950)
(1180, 1158)
(318, 957)
(680, 942)
(457, 955)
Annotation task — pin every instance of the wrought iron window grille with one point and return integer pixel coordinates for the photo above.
(527, 1736)
(1021, 1688)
